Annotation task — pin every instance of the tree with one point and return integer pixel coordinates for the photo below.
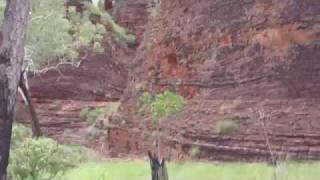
(158, 168)
(13, 35)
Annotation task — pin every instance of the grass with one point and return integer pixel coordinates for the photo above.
(140, 170)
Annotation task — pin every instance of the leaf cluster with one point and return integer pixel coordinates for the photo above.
(161, 105)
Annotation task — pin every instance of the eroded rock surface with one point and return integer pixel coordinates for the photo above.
(254, 62)
(234, 59)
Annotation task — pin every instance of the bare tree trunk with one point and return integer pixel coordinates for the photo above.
(158, 169)
(13, 30)
(36, 130)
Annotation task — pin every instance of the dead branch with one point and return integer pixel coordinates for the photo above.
(36, 130)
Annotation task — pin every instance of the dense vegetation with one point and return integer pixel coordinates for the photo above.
(54, 37)
(42, 158)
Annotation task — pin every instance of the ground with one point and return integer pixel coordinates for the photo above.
(140, 170)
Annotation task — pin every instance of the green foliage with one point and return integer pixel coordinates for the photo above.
(226, 126)
(194, 151)
(52, 37)
(43, 158)
(105, 19)
(94, 10)
(122, 34)
(162, 105)
(166, 104)
(48, 38)
(38, 159)
(84, 31)
(87, 32)
(19, 134)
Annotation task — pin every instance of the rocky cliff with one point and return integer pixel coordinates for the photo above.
(249, 69)
(255, 62)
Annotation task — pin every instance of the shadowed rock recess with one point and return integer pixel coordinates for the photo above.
(254, 62)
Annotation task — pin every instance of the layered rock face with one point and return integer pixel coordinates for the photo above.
(255, 62)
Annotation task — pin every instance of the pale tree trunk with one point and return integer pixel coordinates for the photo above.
(13, 30)
(25, 93)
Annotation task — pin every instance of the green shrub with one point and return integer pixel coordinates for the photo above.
(91, 8)
(106, 20)
(35, 159)
(122, 34)
(43, 158)
(166, 104)
(84, 32)
(161, 105)
(226, 126)
(19, 134)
